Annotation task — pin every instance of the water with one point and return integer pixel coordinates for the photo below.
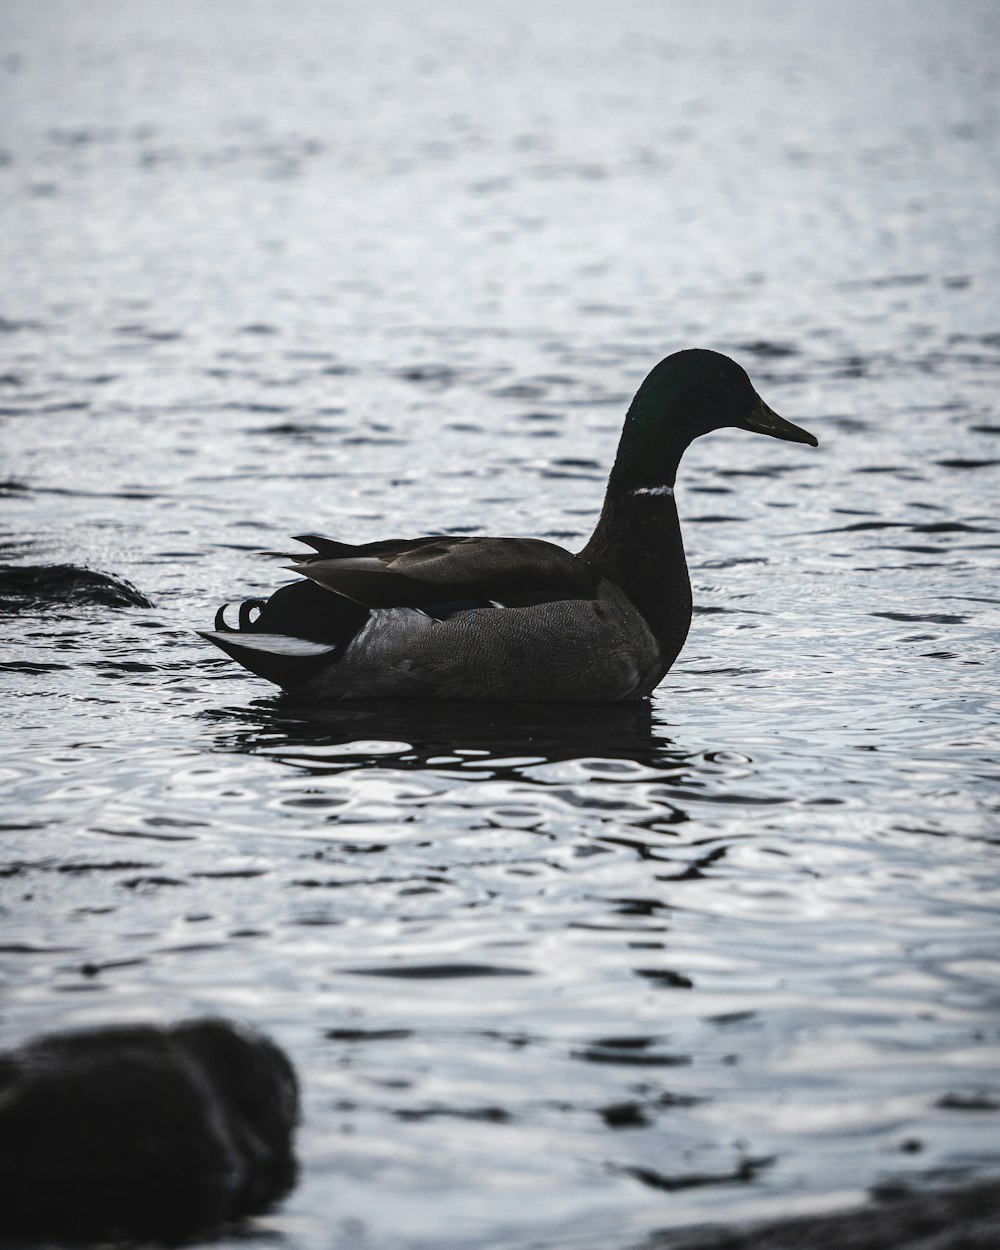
(551, 979)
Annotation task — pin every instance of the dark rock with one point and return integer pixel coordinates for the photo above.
(142, 1131)
(965, 1218)
(27, 586)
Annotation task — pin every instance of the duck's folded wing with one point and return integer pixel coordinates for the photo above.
(424, 572)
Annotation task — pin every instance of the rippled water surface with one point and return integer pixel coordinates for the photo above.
(551, 978)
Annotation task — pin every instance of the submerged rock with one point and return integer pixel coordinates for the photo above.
(965, 1218)
(143, 1131)
(27, 586)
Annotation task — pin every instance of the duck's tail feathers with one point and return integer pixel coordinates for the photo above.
(279, 658)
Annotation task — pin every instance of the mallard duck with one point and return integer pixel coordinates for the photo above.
(455, 617)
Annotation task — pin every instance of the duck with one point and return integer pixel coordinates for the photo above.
(459, 617)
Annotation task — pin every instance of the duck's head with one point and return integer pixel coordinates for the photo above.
(686, 395)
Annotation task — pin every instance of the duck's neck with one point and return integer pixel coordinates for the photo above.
(637, 542)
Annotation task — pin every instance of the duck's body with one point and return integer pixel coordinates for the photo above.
(450, 617)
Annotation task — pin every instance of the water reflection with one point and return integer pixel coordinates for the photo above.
(420, 735)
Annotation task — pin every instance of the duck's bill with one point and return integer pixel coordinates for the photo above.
(764, 420)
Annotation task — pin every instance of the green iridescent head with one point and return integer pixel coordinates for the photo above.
(686, 395)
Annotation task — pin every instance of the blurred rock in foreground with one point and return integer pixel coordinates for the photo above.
(143, 1131)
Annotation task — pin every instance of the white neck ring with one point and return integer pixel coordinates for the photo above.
(652, 490)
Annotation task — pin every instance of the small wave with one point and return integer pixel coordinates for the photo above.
(437, 972)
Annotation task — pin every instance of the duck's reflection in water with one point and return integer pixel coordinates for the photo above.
(424, 734)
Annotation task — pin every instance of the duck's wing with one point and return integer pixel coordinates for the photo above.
(445, 571)
(303, 627)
